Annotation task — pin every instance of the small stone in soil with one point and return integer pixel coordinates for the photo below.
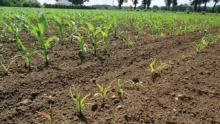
(113, 97)
(24, 102)
(119, 107)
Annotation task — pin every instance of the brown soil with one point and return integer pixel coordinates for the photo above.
(187, 91)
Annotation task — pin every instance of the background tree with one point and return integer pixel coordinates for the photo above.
(120, 2)
(213, 8)
(148, 4)
(205, 2)
(174, 2)
(78, 2)
(168, 3)
(144, 3)
(199, 3)
(194, 3)
(135, 2)
(20, 3)
(155, 7)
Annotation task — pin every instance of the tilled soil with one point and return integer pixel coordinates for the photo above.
(187, 90)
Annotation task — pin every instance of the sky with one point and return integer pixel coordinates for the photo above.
(110, 2)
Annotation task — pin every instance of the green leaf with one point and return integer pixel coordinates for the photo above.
(100, 87)
(99, 42)
(98, 30)
(90, 26)
(84, 98)
(58, 23)
(49, 40)
(42, 24)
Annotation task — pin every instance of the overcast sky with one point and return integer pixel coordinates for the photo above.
(110, 2)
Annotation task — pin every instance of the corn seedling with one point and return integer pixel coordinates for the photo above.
(183, 57)
(172, 26)
(48, 116)
(72, 28)
(105, 36)
(103, 91)
(15, 31)
(115, 27)
(120, 91)
(4, 30)
(79, 101)
(83, 46)
(59, 23)
(138, 28)
(121, 34)
(201, 45)
(136, 37)
(1, 49)
(210, 39)
(94, 34)
(128, 41)
(39, 32)
(28, 54)
(182, 29)
(155, 67)
(6, 66)
(135, 84)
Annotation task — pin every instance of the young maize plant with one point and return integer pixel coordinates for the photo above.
(120, 91)
(6, 66)
(39, 32)
(15, 31)
(1, 49)
(103, 91)
(28, 54)
(183, 57)
(155, 68)
(210, 39)
(128, 41)
(4, 30)
(135, 85)
(138, 28)
(59, 23)
(156, 28)
(121, 34)
(48, 116)
(83, 46)
(77, 98)
(201, 45)
(172, 26)
(182, 29)
(72, 28)
(115, 26)
(94, 34)
(105, 36)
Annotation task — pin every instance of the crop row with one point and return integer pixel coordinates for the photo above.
(76, 26)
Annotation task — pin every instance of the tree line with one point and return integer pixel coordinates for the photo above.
(20, 3)
(173, 3)
(60, 6)
(170, 4)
